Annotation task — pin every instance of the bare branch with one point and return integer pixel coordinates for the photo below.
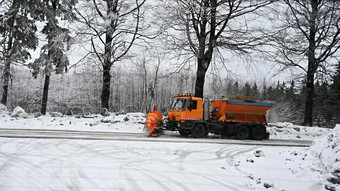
(97, 9)
(136, 30)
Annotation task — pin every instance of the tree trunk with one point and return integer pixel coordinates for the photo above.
(45, 95)
(6, 77)
(47, 76)
(110, 29)
(202, 67)
(312, 66)
(106, 86)
(200, 78)
(308, 118)
(205, 46)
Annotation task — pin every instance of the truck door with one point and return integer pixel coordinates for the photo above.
(194, 110)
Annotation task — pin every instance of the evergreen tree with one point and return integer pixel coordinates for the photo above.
(18, 36)
(264, 95)
(334, 100)
(336, 84)
(255, 94)
(229, 90)
(323, 111)
(271, 93)
(236, 89)
(290, 92)
(246, 90)
(277, 93)
(282, 88)
(52, 57)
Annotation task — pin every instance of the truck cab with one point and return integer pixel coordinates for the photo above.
(184, 111)
(185, 107)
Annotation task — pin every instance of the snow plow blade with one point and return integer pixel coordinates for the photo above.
(153, 125)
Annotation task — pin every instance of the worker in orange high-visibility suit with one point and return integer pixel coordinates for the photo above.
(154, 123)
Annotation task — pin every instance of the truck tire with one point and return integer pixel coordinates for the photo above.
(184, 133)
(199, 131)
(258, 132)
(242, 132)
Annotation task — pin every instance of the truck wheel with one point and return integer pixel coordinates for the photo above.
(199, 131)
(258, 132)
(242, 132)
(184, 133)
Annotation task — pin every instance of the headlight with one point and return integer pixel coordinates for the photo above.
(178, 125)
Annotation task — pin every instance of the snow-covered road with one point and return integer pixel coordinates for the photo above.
(63, 165)
(167, 137)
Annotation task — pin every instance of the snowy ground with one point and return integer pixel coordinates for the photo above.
(61, 165)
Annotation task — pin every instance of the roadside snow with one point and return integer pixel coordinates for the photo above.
(327, 149)
(279, 169)
(130, 123)
(3, 109)
(320, 164)
(290, 131)
(19, 112)
(326, 154)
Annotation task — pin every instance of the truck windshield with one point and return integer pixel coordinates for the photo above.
(179, 104)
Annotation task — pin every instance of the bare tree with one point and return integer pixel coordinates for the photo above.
(112, 26)
(308, 37)
(208, 25)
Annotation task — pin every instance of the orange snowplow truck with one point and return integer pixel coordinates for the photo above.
(241, 119)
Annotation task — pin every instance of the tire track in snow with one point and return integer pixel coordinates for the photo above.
(132, 158)
(16, 161)
(178, 183)
(231, 151)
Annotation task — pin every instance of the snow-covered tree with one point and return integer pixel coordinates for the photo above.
(52, 57)
(17, 37)
(112, 26)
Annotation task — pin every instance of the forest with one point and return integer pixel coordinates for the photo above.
(128, 55)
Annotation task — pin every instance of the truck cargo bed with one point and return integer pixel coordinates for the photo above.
(241, 111)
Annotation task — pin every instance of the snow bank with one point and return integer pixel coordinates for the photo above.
(326, 151)
(285, 130)
(128, 123)
(3, 109)
(56, 114)
(19, 112)
(123, 118)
